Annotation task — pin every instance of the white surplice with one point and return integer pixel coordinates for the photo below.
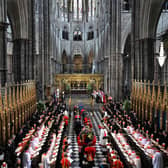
(103, 133)
(157, 161)
(26, 160)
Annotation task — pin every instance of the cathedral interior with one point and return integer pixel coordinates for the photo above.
(90, 72)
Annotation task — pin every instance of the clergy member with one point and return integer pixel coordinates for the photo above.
(26, 159)
(103, 135)
(157, 160)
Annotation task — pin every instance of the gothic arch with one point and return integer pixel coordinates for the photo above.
(78, 63)
(64, 61)
(150, 13)
(126, 32)
(90, 57)
(77, 50)
(18, 13)
(64, 57)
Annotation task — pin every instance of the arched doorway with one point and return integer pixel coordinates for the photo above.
(90, 60)
(78, 63)
(64, 62)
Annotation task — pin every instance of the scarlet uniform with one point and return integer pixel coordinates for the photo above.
(90, 152)
(117, 164)
(77, 117)
(4, 165)
(65, 141)
(104, 99)
(65, 162)
(94, 141)
(66, 120)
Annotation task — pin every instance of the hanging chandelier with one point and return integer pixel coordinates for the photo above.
(161, 58)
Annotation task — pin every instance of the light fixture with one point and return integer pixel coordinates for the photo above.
(161, 58)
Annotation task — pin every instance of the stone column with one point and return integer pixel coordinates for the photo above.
(40, 61)
(46, 41)
(20, 59)
(142, 55)
(106, 75)
(115, 52)
(3, 53)
(147, 64)
(135, 38)
(43, 61)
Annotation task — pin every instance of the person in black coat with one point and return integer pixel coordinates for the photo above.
(77, 126)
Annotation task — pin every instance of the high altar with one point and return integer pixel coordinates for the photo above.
(79, 83)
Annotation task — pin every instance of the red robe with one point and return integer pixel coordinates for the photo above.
(90, 152)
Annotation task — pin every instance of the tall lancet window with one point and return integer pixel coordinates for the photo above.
(90, 9)
(80, 9)
(65, 10)
(75, 9)
(93, 8)
(62, 10)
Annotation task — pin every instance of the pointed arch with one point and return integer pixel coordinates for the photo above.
(18, 13)
(64, 62)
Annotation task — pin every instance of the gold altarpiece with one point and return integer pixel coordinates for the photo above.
(79, 82)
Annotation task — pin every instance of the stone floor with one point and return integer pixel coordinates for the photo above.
(86, 102)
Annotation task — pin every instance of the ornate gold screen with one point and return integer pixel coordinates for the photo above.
(79, 82)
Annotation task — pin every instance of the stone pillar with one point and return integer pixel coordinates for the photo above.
(142, 55)
(144, 59)
(40, 60)
(109, 63)
(115, 52)
(21, 59)
(33, 40)
(46, 41)
(134, 38)
(43, 61)
(106, 75)
(3, 53)
(147, 64)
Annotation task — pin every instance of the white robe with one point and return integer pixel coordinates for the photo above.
(2, 157)
(46, 162)
(5, 166)
(26, 160)
(103, 132)
(157, 161)
(137, 162)
(35, 143)
(66, 113)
